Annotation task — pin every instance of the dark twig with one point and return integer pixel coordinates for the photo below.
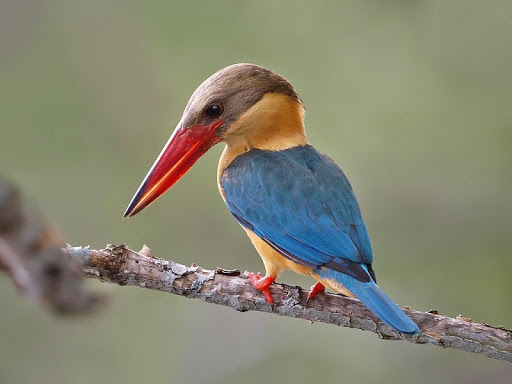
(30, 253)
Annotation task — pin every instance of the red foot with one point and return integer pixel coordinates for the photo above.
(317, 288)
(262, 284)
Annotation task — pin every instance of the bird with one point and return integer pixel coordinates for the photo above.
(295, 204)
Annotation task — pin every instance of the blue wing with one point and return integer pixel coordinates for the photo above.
(300, 202)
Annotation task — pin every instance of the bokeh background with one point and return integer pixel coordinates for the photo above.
(412, 98)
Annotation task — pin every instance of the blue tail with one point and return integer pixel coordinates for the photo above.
(382, 306)
(376, 300)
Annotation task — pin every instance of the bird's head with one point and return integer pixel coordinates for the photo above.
(243, 105)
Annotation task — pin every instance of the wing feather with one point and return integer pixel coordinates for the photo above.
(300, 202)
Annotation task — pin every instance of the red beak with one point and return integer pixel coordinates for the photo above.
(183, 149)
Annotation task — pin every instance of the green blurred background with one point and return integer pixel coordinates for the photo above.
(411, 98)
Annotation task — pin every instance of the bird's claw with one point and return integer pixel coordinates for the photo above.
(315, 289)
(262, 284)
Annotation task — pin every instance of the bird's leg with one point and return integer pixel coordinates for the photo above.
(317, 288)
(262, 284)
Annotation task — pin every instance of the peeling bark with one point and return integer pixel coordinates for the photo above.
(122, 266)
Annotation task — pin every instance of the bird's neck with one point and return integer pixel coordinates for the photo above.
(274, 123)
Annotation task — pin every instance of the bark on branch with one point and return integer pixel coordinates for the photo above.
(122, 266)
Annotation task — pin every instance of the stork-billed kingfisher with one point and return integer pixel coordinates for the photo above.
(295, 203)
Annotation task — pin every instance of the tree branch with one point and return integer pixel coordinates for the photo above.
(122, 266)
(30, 254)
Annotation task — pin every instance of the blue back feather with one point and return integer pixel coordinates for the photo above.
(300, 202)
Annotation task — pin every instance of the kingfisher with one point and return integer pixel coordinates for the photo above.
(295, 204)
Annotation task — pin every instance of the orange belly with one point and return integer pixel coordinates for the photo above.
(275, 263)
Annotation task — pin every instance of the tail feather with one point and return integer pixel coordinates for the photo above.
(376, 300)
(382, 306)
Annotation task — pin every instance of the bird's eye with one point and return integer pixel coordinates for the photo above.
(214, 110)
